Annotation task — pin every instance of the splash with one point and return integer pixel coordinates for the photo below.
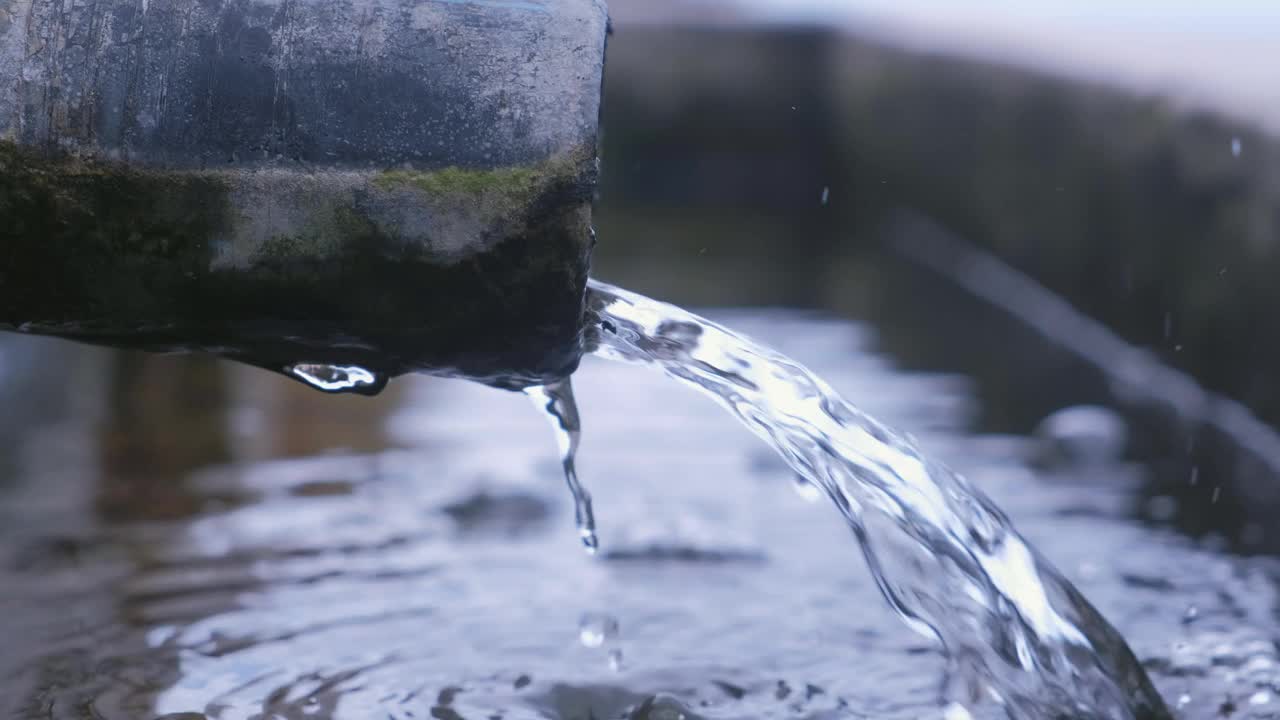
(945, 557)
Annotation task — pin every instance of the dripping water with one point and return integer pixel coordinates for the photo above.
(338, 378)
(556, 400)
(945, 558)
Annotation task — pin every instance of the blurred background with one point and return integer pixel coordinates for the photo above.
(860, 156)
(1042, 237)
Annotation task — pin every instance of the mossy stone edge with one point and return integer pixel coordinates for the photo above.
(104, 252)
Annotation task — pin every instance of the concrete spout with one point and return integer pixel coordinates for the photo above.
(402, 185)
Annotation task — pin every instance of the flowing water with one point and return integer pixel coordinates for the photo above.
(557, 402)
(196, 540)
(947, 560)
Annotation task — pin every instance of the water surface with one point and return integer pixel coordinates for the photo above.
(185, 536)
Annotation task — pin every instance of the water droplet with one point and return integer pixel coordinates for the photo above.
(595, 629)
(1183, 700)
(1191, 615)
(1195, 475)
(1217, 493)
(1262, 697)
(826, 195)
(615, 660)
(338, 378)
(1236, 147)
(556, 400)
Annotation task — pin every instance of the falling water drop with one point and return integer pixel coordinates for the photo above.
(1235, 147)
(1191, 615)
(600, 631)
(556, 400)
(338, 378)
(596, 629)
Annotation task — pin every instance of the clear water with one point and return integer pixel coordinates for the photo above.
(188, 539)
(945, 557)
(337, 378)
(557, 402)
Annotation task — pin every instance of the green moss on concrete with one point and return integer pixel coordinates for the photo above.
(125, 256)
(459, 181)
(81, 236)
(514, 184)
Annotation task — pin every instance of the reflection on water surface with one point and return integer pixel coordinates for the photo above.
(182, 536)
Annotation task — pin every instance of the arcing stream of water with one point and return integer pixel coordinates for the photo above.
(182, 538)
(946, 559)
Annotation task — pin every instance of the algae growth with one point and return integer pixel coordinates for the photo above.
(455, 180)
(234, 260)
(516, 184)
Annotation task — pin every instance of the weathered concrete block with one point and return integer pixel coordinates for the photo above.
(397, 184)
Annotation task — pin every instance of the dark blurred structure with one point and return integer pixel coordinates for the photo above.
(720, 144)
(757, 165)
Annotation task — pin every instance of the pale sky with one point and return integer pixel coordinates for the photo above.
(1222, 54)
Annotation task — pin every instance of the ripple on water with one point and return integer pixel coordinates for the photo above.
(442, 578)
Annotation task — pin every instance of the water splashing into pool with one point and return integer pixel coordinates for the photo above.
(945, 558)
